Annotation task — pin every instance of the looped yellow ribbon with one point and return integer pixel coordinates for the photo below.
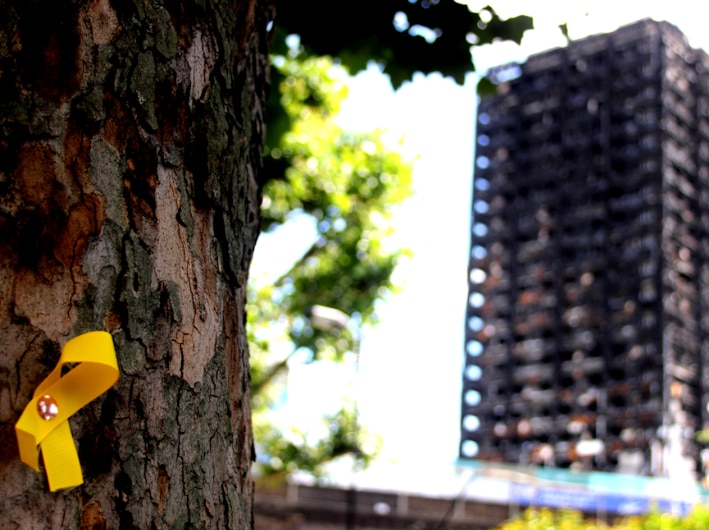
(44, 422)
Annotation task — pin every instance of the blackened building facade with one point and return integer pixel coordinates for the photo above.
(588, 311)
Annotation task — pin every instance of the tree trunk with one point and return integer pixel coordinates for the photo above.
(130, 137)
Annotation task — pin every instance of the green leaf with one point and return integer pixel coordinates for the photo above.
(486, 87)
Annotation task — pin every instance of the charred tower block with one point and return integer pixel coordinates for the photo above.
(588, 312)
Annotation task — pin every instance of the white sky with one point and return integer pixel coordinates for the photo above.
(411, 364)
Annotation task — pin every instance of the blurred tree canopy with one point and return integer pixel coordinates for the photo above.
(402, 36)
(347, 184)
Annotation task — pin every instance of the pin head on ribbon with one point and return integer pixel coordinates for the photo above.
(47, 407)
(44, 424)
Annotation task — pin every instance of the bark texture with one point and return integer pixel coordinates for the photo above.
(130, 134)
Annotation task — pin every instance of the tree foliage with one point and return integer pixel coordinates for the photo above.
(347, 185)
(403, 36)
(547, 519)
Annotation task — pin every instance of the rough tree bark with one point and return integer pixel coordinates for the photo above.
(130, 134)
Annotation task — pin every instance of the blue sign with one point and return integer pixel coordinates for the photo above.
(591, 501)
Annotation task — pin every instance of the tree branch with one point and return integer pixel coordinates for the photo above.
(271, 373)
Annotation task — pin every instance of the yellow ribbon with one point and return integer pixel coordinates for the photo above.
(44, 422)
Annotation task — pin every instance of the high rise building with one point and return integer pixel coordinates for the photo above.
(588, 311)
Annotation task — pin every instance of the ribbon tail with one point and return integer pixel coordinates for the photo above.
(61, 462)
(27, 444)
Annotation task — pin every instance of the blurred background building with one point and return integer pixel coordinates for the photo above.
(588, 309)
(304, 507)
